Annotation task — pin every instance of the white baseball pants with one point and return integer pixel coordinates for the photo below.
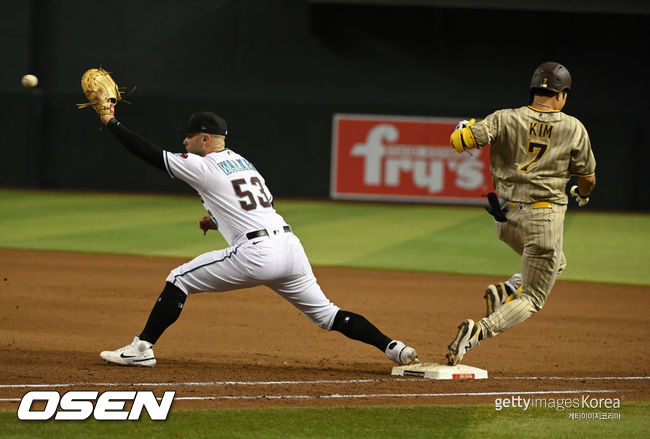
(277, 261)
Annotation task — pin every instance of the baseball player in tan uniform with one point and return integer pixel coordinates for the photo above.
(535, 150)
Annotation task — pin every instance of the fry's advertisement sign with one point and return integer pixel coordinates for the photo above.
(397, 158)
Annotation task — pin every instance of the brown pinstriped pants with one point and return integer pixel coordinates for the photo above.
(536, 235)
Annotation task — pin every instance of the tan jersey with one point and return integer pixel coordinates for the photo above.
(534, 153)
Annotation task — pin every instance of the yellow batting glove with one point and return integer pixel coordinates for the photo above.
(462, 138)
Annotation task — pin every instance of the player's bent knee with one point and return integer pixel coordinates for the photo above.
(173, 280)
(323, 317)
(536, 304)
(174, 293)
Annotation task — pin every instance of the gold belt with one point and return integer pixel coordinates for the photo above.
(538, 205)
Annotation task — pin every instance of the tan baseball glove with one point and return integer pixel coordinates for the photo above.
(101, 91)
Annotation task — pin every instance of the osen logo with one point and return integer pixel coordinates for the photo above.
(80, 405)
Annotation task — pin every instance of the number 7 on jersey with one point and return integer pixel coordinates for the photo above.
(532, 146)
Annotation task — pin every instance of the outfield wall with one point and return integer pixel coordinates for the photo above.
(279, 71)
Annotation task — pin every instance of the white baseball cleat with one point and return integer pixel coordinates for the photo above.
(401, 354)
(138, 353)
(466, 339)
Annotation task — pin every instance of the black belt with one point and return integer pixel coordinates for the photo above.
(263, 232)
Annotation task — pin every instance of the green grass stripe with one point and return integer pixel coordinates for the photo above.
(437, 421)
(600, 247)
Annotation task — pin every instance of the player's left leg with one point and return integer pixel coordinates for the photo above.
(357, 327)
(302, 290)
(304, 293)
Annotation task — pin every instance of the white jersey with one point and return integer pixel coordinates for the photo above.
(232, 191)
(263, 250)
(238, 201)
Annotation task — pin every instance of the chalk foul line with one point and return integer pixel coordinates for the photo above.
(374, 395)
(296, 382)
(391, 395)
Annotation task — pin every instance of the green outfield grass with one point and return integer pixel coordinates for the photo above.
(441, 421)
(600, 247)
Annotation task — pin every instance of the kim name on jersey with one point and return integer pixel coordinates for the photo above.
(538, 129)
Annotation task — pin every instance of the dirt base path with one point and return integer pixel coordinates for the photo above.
(251, 348)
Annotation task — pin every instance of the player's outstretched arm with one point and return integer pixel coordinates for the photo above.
(137, 145)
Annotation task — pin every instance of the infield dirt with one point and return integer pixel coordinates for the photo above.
(59, 310)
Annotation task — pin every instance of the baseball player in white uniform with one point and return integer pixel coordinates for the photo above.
(262, 247)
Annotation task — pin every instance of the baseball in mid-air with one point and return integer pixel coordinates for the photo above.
(29, 81)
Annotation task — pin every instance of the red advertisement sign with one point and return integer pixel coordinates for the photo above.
(397, 158)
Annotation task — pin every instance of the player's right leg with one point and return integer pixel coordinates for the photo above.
(165, 311)
(220, 270)
(137, 353)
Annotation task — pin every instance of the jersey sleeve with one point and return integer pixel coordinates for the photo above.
(137, 145)
(187, 167)
(487, 130)
(583, 162)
